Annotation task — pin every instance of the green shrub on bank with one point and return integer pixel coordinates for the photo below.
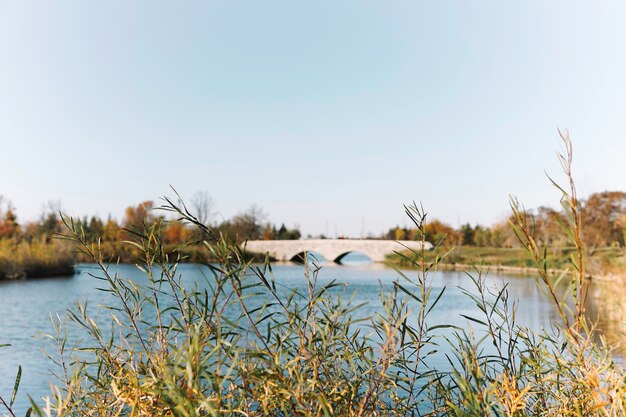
(240, 344)
(34, 259)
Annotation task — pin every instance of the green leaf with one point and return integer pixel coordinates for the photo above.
(407, 292)
(474, 320)
(16, 386)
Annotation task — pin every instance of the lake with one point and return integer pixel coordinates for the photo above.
(26, 307)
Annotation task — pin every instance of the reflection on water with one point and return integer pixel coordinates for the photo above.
(349, 259)
(25, 307)
(607, 308)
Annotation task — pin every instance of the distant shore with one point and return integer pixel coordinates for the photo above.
(35, 259)
(606, 264)
(525, 270)
(617, 277)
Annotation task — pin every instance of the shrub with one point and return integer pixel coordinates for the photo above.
(34, 259)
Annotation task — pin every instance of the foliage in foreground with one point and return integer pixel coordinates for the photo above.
(240, 344)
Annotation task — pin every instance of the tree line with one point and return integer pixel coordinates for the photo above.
(603, 225)
(603, 217)
(250, 224)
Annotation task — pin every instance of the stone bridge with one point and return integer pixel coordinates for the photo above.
(333, 250)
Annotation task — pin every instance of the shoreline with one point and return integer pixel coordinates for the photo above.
(518, 270)
(619, 277)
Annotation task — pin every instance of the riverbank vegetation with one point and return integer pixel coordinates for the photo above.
(603, 217)
(241, 344)
(35, 259)
(606, 260)
(29, 250)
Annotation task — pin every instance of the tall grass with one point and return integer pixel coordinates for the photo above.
(241, 344)
(34, 259)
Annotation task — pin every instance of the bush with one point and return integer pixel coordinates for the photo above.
(34, 259)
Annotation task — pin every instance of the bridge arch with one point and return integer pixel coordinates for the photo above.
(331, 249)
(336, 257)
(341, 259)
(299, 257)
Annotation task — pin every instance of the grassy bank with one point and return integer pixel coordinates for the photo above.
(35, 259)
(601, 261)
(52, 258)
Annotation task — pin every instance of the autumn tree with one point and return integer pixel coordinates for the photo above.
(269, 232)
(400, 233)
(547, 226)
(247, 225)
(9, 228)
(139, 216)
(621, 223)
(602, 216)
(111, 230)
(176, 232)
(435, 231)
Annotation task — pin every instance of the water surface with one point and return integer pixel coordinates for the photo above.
(26, 307)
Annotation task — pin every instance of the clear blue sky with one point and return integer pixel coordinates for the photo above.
(327, 114)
